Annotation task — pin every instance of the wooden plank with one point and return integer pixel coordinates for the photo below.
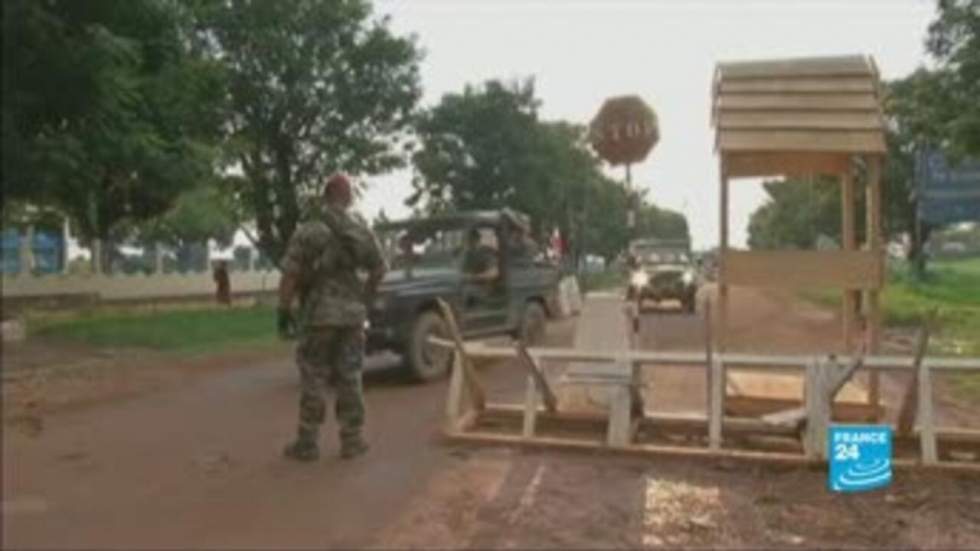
(716, 410)
(466, 422)
(910, 405)
(927, 429)
(797, 164)
(789, 85)
(818, 412)
(799, 120)
(475, 387)
(653, 450)
(852, 65)
(696, 423)
(458, 402)
(759, 406)
(841, 376)
(835, 141)
(723, 279)
(872, 298)
(752, 382)
(620, 408)
(695, 360)
(708, 356)
(796, 102)
(958, 435)
(530, 408)
(793, 417)
(635, 449)
(848, 243)
(802, 269)
(631, 316)
(540, 383)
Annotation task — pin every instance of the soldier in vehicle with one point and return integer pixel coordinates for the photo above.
(320, 266)
(480, 260)
(521, 245)
(406, 252)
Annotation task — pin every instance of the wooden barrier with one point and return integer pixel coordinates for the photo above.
(795, 435)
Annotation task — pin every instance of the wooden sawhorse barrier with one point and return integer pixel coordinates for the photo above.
(472, 418)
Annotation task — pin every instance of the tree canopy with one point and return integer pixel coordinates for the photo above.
(937, 108)
(105, 115)
(311, 87)
(486, 148)
(954, 41)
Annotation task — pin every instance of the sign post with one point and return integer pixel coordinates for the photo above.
(946, 193)
(624, 132)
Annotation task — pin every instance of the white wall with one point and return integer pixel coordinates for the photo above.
(134, 287)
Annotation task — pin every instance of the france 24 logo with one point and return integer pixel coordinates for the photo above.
(860, 457)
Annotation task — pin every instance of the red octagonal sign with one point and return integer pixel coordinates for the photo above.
(625, 130)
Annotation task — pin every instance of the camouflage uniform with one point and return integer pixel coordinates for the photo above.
(325, 254)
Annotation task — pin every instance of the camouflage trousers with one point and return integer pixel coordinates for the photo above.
(331, 355)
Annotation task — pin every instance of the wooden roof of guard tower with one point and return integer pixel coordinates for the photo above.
(798, 118)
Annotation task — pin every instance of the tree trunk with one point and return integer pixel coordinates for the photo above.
(96, 250)
(917, 248)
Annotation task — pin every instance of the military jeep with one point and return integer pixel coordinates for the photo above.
(480, 263)
(661, 270)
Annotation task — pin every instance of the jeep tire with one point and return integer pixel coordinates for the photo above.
(533, 324)
(424, 361)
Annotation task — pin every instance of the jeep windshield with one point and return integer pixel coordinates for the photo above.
(429, 248)
(654, 255)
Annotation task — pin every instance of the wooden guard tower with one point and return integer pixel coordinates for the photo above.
(799, 118)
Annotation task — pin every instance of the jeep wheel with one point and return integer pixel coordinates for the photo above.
(534, 321)
(690, 305)
(427, 362)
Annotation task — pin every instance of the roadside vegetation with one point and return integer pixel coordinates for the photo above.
(952, 288)
(184, 331)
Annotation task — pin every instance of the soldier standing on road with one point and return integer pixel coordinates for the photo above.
(321, 266)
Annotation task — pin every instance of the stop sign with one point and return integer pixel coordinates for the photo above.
(624, 131)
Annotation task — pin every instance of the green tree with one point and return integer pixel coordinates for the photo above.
(797, 213)
(954, 41)
(486, 148)
(312, 87)
(198, 215)
(477, 148)
(105, 112)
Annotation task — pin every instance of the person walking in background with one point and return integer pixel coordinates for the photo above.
(222, 282)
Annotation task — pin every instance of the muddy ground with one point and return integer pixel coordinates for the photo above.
(124, 449)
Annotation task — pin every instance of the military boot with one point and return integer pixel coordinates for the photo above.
(304, 448)
(353, 447)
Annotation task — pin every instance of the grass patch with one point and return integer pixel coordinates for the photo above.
(181, 331)
(952, 288)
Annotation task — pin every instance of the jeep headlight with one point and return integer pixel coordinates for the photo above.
(688, 277)
(639, 279)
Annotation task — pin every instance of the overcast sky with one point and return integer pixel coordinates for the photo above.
(583, 51)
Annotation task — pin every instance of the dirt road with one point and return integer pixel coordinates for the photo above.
(197, 463)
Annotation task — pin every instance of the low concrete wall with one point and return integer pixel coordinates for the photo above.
(132, 287)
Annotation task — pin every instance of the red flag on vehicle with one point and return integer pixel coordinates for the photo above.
(557, 243)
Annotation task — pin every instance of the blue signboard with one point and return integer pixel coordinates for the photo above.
(48, 250)
(860, 457)
(947, 193)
